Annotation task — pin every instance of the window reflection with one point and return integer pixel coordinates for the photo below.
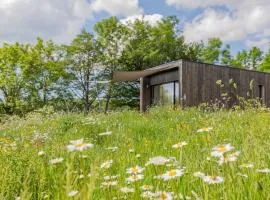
(165, 94)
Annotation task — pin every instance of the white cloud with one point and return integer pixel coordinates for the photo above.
(60, 20)
(151, 19)
(246, 20)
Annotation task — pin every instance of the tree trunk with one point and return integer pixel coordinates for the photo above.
(86, 93)
(108, 98)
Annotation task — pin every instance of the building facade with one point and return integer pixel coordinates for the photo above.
(187, 83)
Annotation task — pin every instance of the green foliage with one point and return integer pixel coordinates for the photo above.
(211, 52)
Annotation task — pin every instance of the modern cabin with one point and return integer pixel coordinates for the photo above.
(187, 83)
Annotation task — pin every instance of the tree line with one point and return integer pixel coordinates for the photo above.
(76, 77)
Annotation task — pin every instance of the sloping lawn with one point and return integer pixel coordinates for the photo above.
(163, 154)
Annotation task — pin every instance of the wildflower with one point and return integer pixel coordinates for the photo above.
(228, 158)
(110, 177)
(179, 145)
(265, 170)
(73, 193)
(135, 170)
(213, 179)
(138, 155)
(81, 176)
(107, 164)
(105, 133)
(160, 195)
(41, 153)
(56, 160)
(131, 150)
(243, 175)
(148, 194)
(207, 129)
(146, 187)
(248, 165)
(219, 150)
(134, 178)
(83, 156)
(172, 174)
(109, 183)
(127, 190)
(199, 174)
(113, 149)
(159, 160)
(78, 145)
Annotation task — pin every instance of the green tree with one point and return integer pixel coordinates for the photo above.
(44, 65)
(265, 65)
(226, 57)
(248, 59)
(255, 57)
(111, 38)
(83, 56)
(211, 52)
(11, 77)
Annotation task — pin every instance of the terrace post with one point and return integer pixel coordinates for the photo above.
(144, 94)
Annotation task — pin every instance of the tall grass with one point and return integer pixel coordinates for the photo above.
(27, 146)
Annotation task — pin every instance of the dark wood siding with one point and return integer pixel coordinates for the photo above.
(199, 83)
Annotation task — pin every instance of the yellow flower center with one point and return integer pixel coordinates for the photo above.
(172, 173)
(79, 145)
(163, 196)
(222, 148)
(134, 170)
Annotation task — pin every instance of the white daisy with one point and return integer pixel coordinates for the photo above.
(265, 170)
(172, 174)
(148, 195)
(146, 187)
(41, 153)
(213, 179)
(228, 158)
(135, 170)
(207, 129)
(247, 165)
(73, 193)
(109, 183)
(134, 178)
(161, 195)
(158, 160)
(127, 190)
(78, 145)
(107, 164)
(56, 160)
(199, 174)
(105, 133)
(219, 150)
(179, 145)
(106, 178)
(113, 149)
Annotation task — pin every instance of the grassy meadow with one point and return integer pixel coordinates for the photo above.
(163, 154)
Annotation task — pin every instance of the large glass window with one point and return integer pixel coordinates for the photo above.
(165, 94)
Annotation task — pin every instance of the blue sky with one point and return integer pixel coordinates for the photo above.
(242, 24)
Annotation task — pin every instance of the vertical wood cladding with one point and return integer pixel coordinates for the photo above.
(199, 83)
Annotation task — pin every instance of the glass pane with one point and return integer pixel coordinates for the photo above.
(167, 93)
(156, 94)
(176, 89)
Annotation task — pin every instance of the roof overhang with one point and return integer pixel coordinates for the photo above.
(135, 75)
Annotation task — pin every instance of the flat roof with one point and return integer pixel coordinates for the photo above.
(134, 75)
